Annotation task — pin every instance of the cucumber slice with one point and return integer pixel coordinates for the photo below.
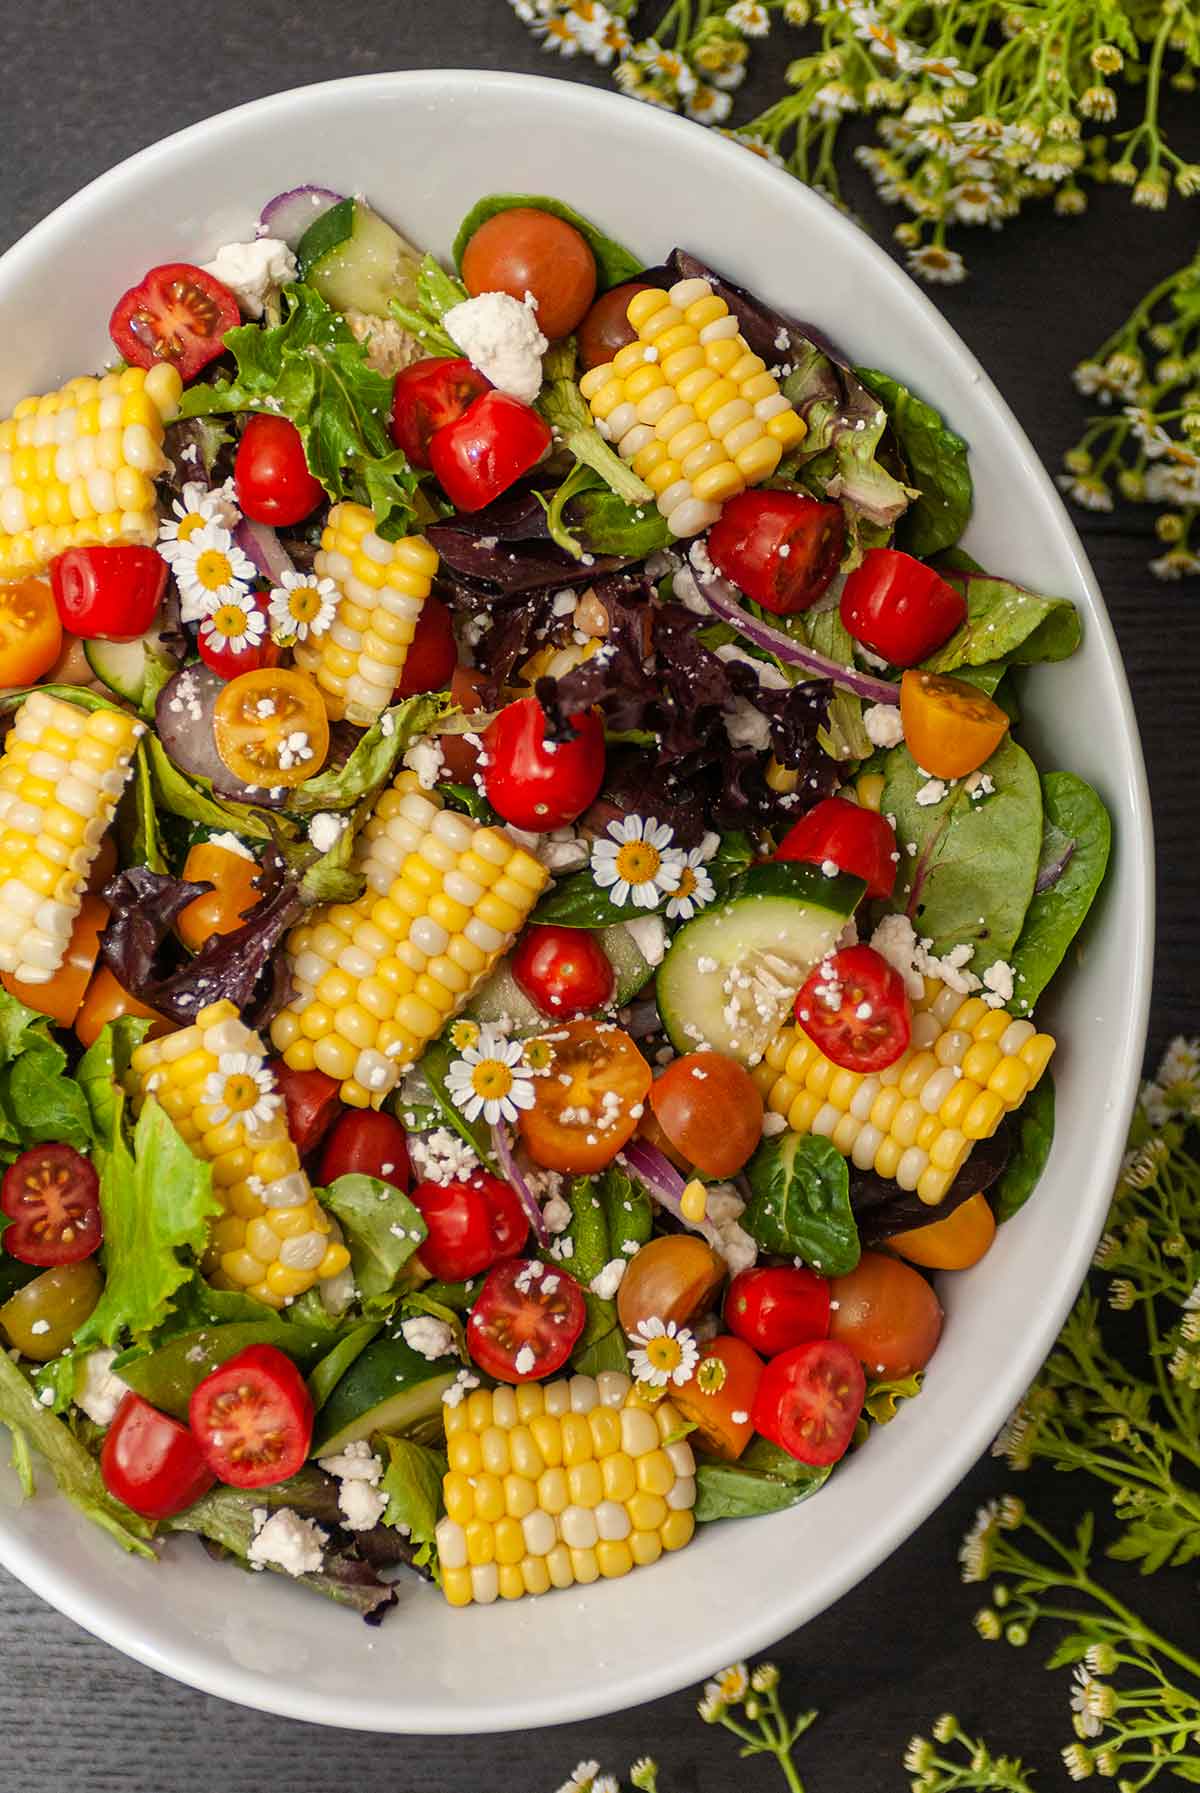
(389, 1388)
(121, 665)
(500, 996)
(730, 977)
(356, 261)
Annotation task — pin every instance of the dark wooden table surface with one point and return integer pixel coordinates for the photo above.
(88, 85)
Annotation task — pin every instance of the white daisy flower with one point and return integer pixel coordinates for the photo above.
(750, 16)
(557, 33)
(667, 1353)
(237, 624)
(302, 605)
(491, 1078)
(935, 263)
(637, 861)
(241, 1087)
(734, 1683)
(695, 889)
(210, 569)
(580, 1778)
(708, 105)
(196, 505)
(947, 71)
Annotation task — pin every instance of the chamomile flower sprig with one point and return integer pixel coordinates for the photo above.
(972, 1766)
(748, 1706)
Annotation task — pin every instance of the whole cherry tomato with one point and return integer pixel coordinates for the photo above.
(900, 608)
(427, 395)
(953, 1243)
(525, 250)
(855, 1008)
(888, 1315)
(481, 453)
(588, 1105)
(236, 636)
(108, 594)
(51, 1195)
(538, 784)
(252, 1418)
(271, 475)
(676, 1276)
(607, 328)
(719, 1396)
(233, 893)
(711, 1111)
(564, 971)
(311, 1102)
(950, 726)
(151, 1462)
(809, 1400)
(178, 314)
(471, 1224)
(370, 1142)
(432, 653)
(525, 1320)
(855, 839)
(781, 548)
(774, 1308)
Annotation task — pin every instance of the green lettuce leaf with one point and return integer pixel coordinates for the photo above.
(1077, 824)
(374, 758)
(843, 737)
(614, 263)
(936, 459)
(192, 798)
(382, 1228)
(38, 1100)
(566, 411)
(412, 1482)
(1006, 622)
(1035, 1136)
(882, 1403)
(101, 1070)
(800, 1203)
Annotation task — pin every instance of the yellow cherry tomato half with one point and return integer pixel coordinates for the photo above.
(950, 727)
(61, 997)
(30, 631)
(271, 728)
(954, 1243)
(233, 892)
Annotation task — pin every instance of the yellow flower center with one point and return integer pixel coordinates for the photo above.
(638, 862)
(231, 621)
(190, 524)
(711, 1375)
(213, 569)
(539, 1055)
(664, 1353)
(687, 882)
(304, 603)
(241, 1092)
(491, 1079)
(464, 1034)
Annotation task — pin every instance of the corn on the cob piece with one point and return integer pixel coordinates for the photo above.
(381, 585)
(77, 466)
(966, 1068)
(378, 978)
(61, 773)
(560, 1482)
(698, 414)
(273, 1240)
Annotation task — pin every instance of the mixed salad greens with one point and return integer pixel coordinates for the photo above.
(541, 965)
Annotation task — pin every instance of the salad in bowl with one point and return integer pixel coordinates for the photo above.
(524, 905)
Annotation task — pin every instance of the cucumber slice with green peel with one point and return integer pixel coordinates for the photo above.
(501, 998)
(121, 665)
(389, 1388)
(356, 261)
(730, 977)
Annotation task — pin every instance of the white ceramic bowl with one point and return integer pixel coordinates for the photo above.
(424, 146)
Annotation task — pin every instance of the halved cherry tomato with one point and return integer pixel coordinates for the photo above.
(51, 1194)
(108, 594)
(42, 1318)
(719, 1396)
(809, 1400)
(481, 453)
(526, 250)
(30, 631)
(674, 1277)
(177, 313)
(525, 1320)
(233, 892)
(954, 1243)
(236, 637)
(62, 996)
(950, 726)
(311, 1102)
(370, 1142)
(650, 1130)
(539, 784)
(900, 608)
(151, 1462)
(607, 328)
(427, 395)
(711, 1111)
(888, 1315)
(854, 1006)
(589, 1103)
(271, 475)
(855, 839)
(253, 1418)
(460, 756)
(271, 727)
(432, 653)
(472, 1225)
(564, 971)
(106, 1000)
(781, 548)
(776, 1307)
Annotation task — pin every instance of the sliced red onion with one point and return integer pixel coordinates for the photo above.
(660, 1178)
(260, 542)
(289, 214)
(183, 717)
(722, 597)
(513, 1177)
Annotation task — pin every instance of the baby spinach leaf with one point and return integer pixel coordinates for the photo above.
(936, 458)
(1035, 1136)
(1077, 816)
(843, 736)
(800, 1203)
(382, 1229)
(577, 901)
(764, 1480)
(601, 1344)
(412, 1482)
(374, 758)
(1006, 622)
(627, 1209)
(614, 263)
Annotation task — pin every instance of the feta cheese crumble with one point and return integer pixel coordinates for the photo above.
(606, 1282)
(97, 1391)
(252, 271)
(432, 1337)
(931, 792)
(424, 758)
(883, 725)
(285, 1541)
(441, 1157)
(358, 1471)
(499, 335)
(649, 935)
(326, 830)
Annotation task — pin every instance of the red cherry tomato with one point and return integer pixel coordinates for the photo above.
(252, 1418)
(51, 1195)
(231, 642)
(887, 1314)
(809, 1400)
(565, 971)
(854, 839)
(108, 594)
(781, 548)
(429, 394)
(855, 1008)
(776, 1308)
(370, 1142)
(538, 784)
(432, 653)
(607, 328)
(472, 1225)
(271, 473)
(481, 453)
(525, 1320)
(526, 250)
(900, 608)
(178, 313)
(151, 1462)
(311, 1103)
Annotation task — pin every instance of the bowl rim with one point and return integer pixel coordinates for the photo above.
(197, 1666)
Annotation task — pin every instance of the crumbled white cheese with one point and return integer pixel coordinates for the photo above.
(458, 1390)
(326, 830)
(769, 677)
(883, 725)
(606, 1282)
(441, 1157)
(688, 593)
(998, 979)
(359, 1472)
(557, 1215)
(252, 271)
(895, 940)
(287, 1542)
(649, 935)
(97, 1391)
(931, 792)
(724, 1210)
(231, 844)
(560, 851)
(524, 1361)
(424, 758)
(564, 603)
(500, 336)
(746, 726)
(432, 1337)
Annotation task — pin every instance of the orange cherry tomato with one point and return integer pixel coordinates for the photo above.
(588, 1104)
(719, 1396)
(233, 893)
(271, 727)
(525, 250)
(61, 997)
(950, 726)
(652, 1133)
(106, 1000)
(674, 1277)
(103, 865)
(711, 1111)
(31, 634)
(888, 1315)
(954, 1243)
